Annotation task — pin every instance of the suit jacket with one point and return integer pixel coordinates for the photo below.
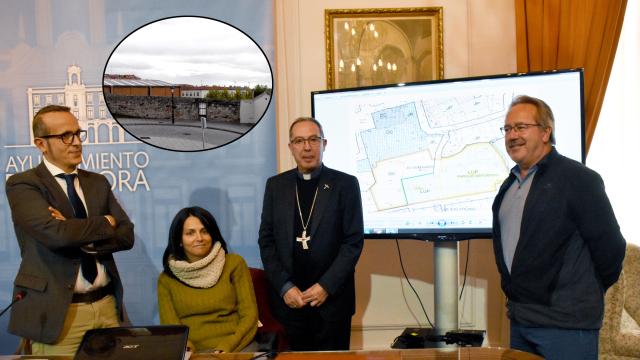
(336, 232)
(50, 248)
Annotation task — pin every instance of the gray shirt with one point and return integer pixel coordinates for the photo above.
(510, 214)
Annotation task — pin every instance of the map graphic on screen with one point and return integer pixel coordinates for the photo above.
(430, 157)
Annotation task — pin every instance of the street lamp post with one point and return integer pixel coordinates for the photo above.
(202, 111)
(173, 120)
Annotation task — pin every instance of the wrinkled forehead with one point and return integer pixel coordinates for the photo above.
(60, 122)
(305, 129)
(521, 114)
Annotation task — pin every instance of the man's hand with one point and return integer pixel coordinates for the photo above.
(316, 295)
(293, 298)
(112, 221)
(56, 214)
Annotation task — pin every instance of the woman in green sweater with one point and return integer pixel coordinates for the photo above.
(204, 287)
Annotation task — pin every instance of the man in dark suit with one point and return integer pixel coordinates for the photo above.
(311, 236)
(68, 223)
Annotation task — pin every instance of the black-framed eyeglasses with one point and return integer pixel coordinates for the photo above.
(312, 140)
(67, 137)
(518, 128)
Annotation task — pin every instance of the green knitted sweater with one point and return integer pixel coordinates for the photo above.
(222, 317)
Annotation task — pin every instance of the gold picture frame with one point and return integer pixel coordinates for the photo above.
(381, 46)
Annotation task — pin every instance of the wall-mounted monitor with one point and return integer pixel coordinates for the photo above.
(430, 156)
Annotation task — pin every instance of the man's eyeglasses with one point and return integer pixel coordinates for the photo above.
(67, 137)
(312, 140)
(518, 128)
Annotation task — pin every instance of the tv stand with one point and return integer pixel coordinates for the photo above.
(446, 332)
(445, 284)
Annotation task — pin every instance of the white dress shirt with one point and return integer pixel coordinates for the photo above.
(102, 279)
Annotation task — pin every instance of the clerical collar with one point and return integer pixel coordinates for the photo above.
(312, 175)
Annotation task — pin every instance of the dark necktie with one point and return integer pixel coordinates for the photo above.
(89, 269)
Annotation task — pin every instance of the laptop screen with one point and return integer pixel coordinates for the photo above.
(165, 342)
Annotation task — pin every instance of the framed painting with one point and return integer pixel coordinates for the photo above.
(367, 47)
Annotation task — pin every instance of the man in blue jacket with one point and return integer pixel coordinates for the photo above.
(556, 240)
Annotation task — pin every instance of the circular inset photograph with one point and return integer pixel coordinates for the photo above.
(187, 83)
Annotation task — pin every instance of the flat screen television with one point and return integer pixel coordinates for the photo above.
(430, 156)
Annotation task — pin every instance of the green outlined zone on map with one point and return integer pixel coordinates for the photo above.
(432, 153)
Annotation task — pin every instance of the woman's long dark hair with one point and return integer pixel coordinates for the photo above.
(175, 234)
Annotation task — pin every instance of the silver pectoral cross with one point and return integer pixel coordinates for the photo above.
(304, 239)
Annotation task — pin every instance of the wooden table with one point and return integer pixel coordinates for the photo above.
(470, 353)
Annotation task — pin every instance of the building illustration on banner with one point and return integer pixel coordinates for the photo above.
(86, 103)
(124, 168)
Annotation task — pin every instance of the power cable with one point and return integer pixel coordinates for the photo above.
(409, 282)
(466, 266)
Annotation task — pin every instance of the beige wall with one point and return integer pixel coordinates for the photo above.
(479, 39)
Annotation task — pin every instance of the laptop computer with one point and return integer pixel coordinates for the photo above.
(163, 342)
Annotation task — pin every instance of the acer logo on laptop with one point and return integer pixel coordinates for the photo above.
(167, 342)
